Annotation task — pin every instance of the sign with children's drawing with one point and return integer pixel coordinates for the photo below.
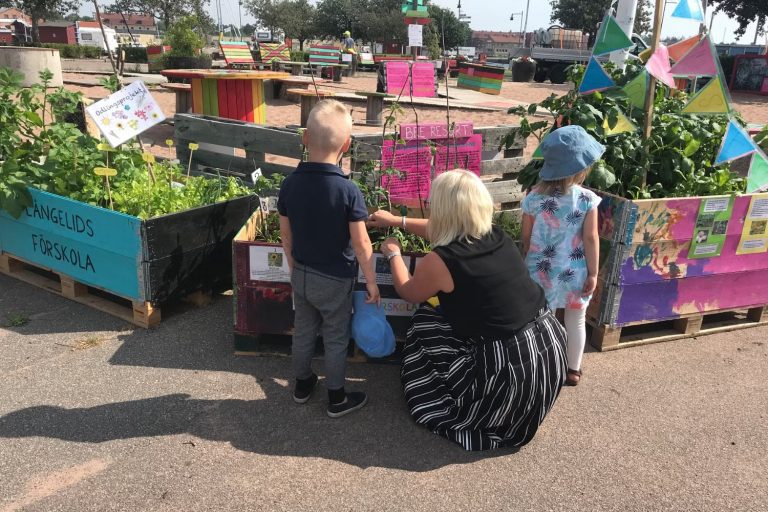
(711, 227)
(382, 269)
(126, 113)
(267, 263)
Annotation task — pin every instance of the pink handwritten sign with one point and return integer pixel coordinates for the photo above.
(415, 164)
(764, 89)
(409, 132)
(423, 80)
(398, 78)
(466, 154)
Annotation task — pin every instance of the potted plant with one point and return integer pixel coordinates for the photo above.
(649, 229)
(186, 46)
(523, 69)
(108, 218)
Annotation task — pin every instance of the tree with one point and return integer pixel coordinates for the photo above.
(297, 19)
(41, 9)
(335, 16)
(456, 33)
(586, 16)
(744, 12)
(166, 11)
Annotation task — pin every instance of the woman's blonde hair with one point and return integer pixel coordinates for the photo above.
(460, 207)
(563, 184)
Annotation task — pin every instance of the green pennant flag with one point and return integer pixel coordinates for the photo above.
(758, 173)
(636, 89)
(610, 37)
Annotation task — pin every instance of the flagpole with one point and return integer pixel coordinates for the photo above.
(650, 94)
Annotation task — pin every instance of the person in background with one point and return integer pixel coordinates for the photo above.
(348, 46)
(560, 241)
(485, 366)
(322, 225)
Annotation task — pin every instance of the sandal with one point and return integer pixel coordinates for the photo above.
(572, 377)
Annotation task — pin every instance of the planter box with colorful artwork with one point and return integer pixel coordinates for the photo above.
(263, 296)
(144, 262)
(650, 273)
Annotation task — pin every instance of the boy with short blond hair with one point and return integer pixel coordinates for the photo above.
(322, 224)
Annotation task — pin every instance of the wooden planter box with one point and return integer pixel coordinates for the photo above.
(646, 276)
(146, 262)
(263, 301)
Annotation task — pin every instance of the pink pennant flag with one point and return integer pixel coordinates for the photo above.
(699, 61)
(658, 66)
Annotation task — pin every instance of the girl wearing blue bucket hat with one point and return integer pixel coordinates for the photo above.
(560, 241)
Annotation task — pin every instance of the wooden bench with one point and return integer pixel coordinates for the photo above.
(374, 106)
(308, 101)
(281, 85)
(183, 96)
(297, 68)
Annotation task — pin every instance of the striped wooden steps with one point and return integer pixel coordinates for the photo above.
(322, 55)
(274, 52)
(476, 77)
(236, 53)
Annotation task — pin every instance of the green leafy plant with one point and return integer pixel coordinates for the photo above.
(183, 39)
(39, 149)
(678, 157)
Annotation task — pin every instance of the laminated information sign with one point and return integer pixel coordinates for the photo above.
(711, 227)
(754, 236)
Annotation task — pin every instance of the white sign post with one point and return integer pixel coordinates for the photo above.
(415, 36)
(126, 113)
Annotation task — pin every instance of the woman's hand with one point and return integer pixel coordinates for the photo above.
(382, 219)
(390, 246)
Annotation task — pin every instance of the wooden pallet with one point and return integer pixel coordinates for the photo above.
(143, 314)
(606, 337)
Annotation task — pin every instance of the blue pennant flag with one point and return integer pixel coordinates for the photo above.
(595, 78)
(736, 144)
(688, 9)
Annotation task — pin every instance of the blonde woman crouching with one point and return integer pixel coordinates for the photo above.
(484, 367)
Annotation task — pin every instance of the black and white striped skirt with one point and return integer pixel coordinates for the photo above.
(482, 393)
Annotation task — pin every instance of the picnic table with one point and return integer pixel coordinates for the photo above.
(308, 101)
(297, 68)
(228, 93)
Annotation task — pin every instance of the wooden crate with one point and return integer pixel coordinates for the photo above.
(263, 304)
(149, 261)
(646, 276)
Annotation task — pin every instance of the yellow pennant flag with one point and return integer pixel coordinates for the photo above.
(711, 99)
(624, 124)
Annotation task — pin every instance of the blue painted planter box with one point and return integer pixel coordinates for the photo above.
(151, 260)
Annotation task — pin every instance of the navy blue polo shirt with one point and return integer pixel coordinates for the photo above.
(321, 201)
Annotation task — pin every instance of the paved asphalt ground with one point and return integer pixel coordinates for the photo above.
(96, 415)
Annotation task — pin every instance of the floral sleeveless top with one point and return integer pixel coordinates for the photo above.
(555, 258)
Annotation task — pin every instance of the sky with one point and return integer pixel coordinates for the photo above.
(494, 15)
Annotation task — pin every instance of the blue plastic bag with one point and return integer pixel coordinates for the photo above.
(370, 328)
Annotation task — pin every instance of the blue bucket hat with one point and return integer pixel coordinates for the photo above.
(370, 328)
(568, 151)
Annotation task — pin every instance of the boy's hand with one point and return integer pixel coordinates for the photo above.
(589, 285)
(373, 294)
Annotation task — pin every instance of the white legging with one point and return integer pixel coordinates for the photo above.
(575, 327)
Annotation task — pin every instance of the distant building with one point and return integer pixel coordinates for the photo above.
(132, 28)
(62, 32)
(496, 44)
(11, 13)
(15, 27)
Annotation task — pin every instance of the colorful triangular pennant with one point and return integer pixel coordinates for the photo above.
(736, 144)
(678, 50)
(624, 124)
(711, 99)
(689, 9)
(595, 78)
(699, 61)
(611, 37)
(636, 89)
(658, 66)
(757, 180)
